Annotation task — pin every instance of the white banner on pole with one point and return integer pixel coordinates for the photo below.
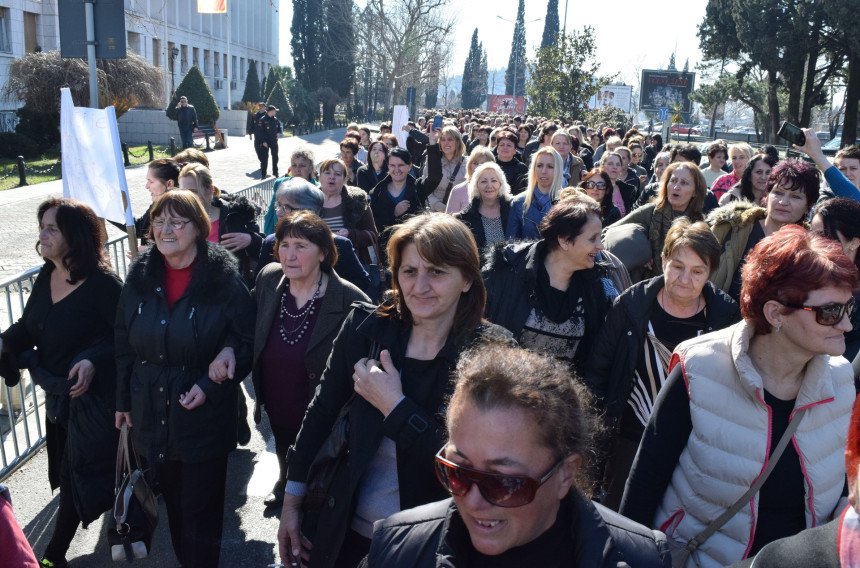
(401, 117)
(92, 162)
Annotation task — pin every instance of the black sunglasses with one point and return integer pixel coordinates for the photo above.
(828, 314)
(497, 488)
(595, 185)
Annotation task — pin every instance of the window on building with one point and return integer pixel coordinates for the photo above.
(31, 42)
(183, 54)
(207, 62)
(241, 76)
(156, 52)
(217, 60)
(224, 67)
(134, 43)
(195, 57)
(5, 44)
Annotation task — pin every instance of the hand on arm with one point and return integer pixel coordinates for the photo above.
(223, 366)
(193, 398)
(292, 544)
(83, 372)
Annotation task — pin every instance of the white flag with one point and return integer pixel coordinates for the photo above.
(92, 162)
(401, 117)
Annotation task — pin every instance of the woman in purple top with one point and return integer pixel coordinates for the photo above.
(301, 304)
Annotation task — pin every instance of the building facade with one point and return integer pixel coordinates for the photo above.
(170, 34)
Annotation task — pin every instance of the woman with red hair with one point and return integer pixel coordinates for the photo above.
(732, 394)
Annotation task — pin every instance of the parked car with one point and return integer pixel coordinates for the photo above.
(684, 129)
(833, 146)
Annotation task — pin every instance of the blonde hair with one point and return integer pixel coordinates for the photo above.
(472, 163)
(201, 176)
(504, 189)
(557, 178)
(741, 147)
(452, 131)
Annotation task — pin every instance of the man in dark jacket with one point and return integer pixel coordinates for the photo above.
(253, 118)
(186, 119)
(266, 131)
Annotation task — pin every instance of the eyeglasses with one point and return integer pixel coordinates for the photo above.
(498, 489)
(635, 155)
(175, 224)
(283, 208)
(828, 314)
(595, 185)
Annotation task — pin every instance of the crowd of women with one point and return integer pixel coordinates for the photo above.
(611, 377)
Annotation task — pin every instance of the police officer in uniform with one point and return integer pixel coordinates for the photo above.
(266, 130)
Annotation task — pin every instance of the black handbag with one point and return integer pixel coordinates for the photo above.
(331, 455)
(135, 508)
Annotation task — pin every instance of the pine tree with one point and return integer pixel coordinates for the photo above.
(307, 31)
(262, 87)
(483, 78)
(550, 27)
(471, 95)
(271, 81)
(252, 84)
(194, 86)
(517, 60)
(339, 57)
(279, 99)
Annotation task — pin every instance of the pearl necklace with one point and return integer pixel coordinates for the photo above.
(303, 316)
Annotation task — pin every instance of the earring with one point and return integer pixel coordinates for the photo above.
(776, 329)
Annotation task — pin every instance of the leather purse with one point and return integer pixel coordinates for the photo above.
(135, 508)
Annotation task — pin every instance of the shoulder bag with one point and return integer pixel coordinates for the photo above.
(135, 508)
(681, 552)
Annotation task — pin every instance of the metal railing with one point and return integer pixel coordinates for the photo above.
(21, 431)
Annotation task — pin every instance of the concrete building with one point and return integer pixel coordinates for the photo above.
(168, 33)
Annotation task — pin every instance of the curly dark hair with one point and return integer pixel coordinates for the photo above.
(84, 234)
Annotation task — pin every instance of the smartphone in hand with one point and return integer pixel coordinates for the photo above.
(792, 133)
(437, 122)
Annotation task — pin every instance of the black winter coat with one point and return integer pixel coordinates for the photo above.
(424, 537)
(416, 425)
(238, 215)
(383, 208)
(510, 274)
(78, 327)
(616, 351)
(471, 216)
(161, 353)
(366, 178)
(516, 174)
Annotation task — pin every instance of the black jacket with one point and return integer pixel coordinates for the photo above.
(416, 424)
(471, 216)
(516, 173)
(383, 207)
(238, 215)
(425, 537)
(510, 274)
(161, 353)
(366, 178)
(628, 195)
(616, 351)
(186, 117)
(266, 129)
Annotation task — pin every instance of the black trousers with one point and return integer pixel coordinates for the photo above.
(194, 496)
(67, 516)
(284, 438)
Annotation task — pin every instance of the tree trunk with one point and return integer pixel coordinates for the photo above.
(852, 97)
(809, 83)
(772, 106)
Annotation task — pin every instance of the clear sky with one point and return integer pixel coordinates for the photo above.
(630, 34)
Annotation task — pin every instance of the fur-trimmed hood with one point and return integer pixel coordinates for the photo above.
(354, 200)
(736, 213)
(212, 277)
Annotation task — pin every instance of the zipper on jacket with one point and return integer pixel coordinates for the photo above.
(194, 324)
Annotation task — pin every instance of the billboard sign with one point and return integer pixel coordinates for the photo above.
(504, 104)
(666, 89)
(109, 21)
(618, 96)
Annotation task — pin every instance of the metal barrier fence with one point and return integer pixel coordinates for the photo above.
(21, 431)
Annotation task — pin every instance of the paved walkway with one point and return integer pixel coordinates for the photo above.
(250, 532)
(232, 169)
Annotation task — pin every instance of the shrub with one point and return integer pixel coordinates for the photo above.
(39, 127)
(13, 144)
(194, 87)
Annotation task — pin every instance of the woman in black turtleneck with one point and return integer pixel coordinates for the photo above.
(515, 171)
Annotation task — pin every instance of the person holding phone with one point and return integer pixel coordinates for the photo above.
(841, 185)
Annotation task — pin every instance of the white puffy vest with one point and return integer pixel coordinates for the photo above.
(730, 441)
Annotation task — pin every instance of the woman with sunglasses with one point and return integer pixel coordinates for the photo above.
(791, 190)
(732, 394)
(519, 432)
(394, 364)
(598, 186)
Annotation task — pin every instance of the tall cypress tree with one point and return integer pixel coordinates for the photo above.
(550, 27)
(471, 96)
(307, 30)
(271, 81)
(338, 53)
(483, 78)
(252, 84)
(517, 60)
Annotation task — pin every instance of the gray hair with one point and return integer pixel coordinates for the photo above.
(301, 192)
(504, 189)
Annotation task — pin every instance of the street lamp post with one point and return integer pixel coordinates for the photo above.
(517, 57)
(174, 53)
